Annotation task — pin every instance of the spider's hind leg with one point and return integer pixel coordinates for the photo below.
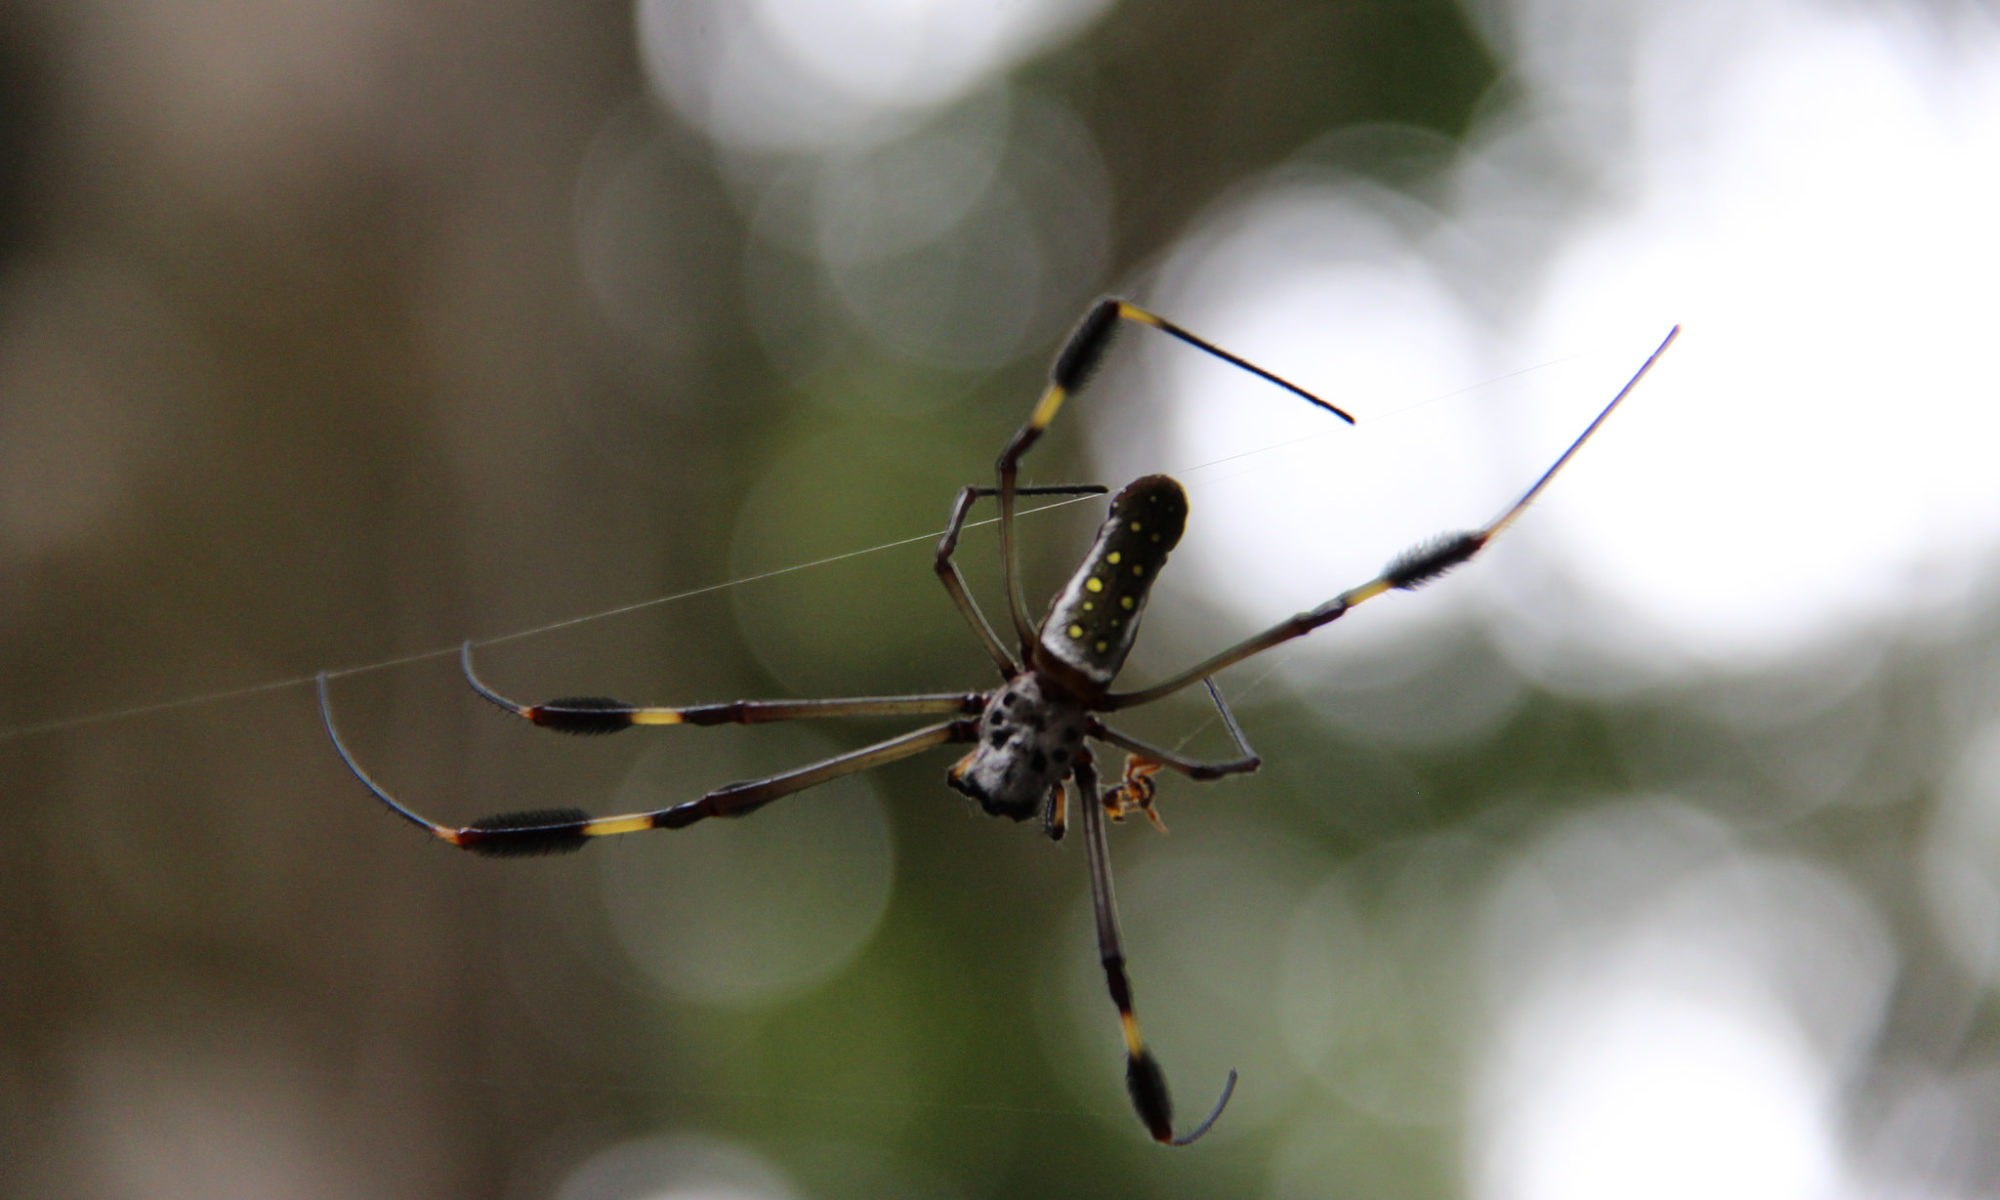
(1070, 372)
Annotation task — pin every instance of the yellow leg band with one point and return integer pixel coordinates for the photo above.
(1135, 1045)
(615, 825)
(1367, 591)
(1045, 411)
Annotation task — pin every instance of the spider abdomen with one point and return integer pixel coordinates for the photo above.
(1029, 737)
(1092, 622)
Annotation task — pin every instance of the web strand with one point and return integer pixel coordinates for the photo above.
(133, 712)
(403, 660)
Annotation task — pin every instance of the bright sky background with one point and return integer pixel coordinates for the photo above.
(1807, 189)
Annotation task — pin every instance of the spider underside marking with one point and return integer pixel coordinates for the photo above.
(1029, 738)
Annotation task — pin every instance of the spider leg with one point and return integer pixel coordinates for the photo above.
(1070, 372)
(553, 831)
(1246, 761)
(1138, 788)
(1407, 572)
(597, 714)
(1055, 818)
(1145, 1082)
(954, 583)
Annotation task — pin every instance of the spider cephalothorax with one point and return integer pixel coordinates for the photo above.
(1029, 737)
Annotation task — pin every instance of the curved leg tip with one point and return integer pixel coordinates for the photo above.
(1148, 1087)
(1208, 1122)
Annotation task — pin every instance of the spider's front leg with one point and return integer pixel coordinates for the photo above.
(1408, 571)
(1079, 357)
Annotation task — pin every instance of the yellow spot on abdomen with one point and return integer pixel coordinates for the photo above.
(1125, 602)
(1114, 558)
(1075, 631)
(1093, 584)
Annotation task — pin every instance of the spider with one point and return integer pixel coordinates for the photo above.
(1030, 735)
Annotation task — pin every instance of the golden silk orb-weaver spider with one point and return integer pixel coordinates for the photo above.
(1031, 735)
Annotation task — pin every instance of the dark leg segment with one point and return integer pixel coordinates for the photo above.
(1145, 1082)
(597, 714)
